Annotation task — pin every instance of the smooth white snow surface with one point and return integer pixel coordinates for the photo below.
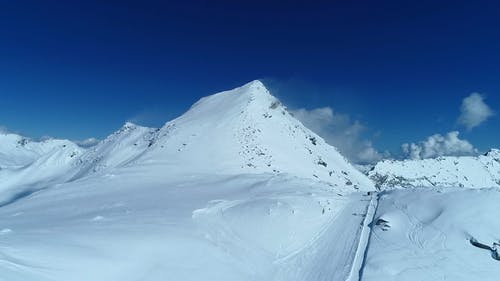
(427, 234)
(137, 225)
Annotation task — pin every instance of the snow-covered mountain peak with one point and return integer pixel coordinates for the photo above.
(252, 97)
(126, 129)
(247, 130)
(129, 126)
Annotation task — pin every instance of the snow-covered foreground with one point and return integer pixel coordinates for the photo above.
(424, 234)
(136, 225)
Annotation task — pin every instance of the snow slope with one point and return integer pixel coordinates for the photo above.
(136, 224)
(117, 150)
(465, 171)
(234, 189)
(427, 235)
(28, 166)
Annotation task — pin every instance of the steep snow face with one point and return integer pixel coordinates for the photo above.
(466, 171)
(247, 130)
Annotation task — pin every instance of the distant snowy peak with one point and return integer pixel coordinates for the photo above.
(17, 151)
(25, 162)
(247, 130)
(466, 171)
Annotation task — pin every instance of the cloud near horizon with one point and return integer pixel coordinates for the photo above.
(474, 111)
(87, 142)
(340, 131)
(439, 145)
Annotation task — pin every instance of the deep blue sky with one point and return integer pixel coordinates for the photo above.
(80, 69)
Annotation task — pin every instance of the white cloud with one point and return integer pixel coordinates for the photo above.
(87, 142)
(368, 154)
(439, 145)
(340, 131)
(474, 111)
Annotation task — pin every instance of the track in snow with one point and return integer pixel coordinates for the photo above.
(332, 255)
(364, 240)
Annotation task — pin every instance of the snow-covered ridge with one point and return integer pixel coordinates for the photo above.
(117, 150)
(242, 131)
(17, 151)
(465, 171)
